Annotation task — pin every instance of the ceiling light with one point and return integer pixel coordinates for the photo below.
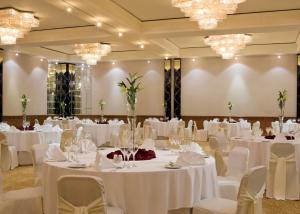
(278, 56)
(113, 63)
(69, 10)
(120, 34)
(92, 52)
(17, 54)
(148, 61)
(236, 58)
(142, 46)
(166, 57)
(15, 24)
(193, 59)
(228, 45)
(99, 24)
(56, 63)
(208, 13)
(41, 59)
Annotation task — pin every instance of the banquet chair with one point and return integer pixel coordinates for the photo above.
(249, 197)
(66, 138)
(38, 154)
(23, 201)
(8, 154)
(237, 166)
(283, 175)
(217, 154)
(199, 134)
(83, 194)
(65, 124)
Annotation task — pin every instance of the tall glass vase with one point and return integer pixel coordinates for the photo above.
(281, 120)
(102, 116)
(132, 125)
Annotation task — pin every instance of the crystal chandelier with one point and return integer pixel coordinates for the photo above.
(92, 52)
(208, 13)
(15, 24)
(228, 45)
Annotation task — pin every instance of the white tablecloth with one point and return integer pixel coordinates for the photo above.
(70, 123)
(232, 127)
(101, 133)
(146, 189)
(259, 148)
(23, 140)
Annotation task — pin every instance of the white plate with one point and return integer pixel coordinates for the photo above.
(77, 165)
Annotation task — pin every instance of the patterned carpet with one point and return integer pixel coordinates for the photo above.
(22, 177)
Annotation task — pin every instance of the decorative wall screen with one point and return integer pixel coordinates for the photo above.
(64, 89)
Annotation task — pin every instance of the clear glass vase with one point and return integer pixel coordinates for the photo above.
(132, 125)
(281, 120)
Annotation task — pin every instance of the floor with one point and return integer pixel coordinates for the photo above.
(22, 177)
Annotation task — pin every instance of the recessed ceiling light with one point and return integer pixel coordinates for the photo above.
(113, 63)
(166, 57)
(142, 46)
(17, 54)
(41, 59)
(278, 56)
(99, 24)
(69, 10)
(120, 34)
(148, 61)
(236, 58)
(56, 63)
(193, 59)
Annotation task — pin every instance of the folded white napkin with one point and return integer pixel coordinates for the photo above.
(57, 129)
(102, 162)
(193, 147)
(148, 144)
(13, 129)
(190, 158)
(55, 153)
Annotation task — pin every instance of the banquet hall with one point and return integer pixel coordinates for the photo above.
(149, 107)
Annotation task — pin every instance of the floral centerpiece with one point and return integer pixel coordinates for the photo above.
(130, 87)
(24, 102)
(102, 103)
(282, 98)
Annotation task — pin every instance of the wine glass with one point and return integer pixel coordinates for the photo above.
(75, 148)
(24, 125)
(27, 125)
(135, 148)
(122, 144)
(68, 145)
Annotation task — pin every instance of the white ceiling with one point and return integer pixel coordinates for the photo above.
(274, 24)
(162, 9)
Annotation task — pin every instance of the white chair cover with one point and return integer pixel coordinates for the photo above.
(237, 167)
(38, 154)
(8, 155)
(217, 154)
(81, 195)
(249, 197)
(283, 175)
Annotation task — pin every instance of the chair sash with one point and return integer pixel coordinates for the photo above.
(95, 207)
(220, 164)
(280, 175)
(247, 204)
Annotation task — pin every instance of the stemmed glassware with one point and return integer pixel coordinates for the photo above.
(68, 145)
(24, 125)
(75, 148)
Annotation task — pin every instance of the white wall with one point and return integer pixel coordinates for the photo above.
(24, 74)
(105, 77)
(250, 83)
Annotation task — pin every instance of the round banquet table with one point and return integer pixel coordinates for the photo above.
(234, 128)
(146, 189)
(101, 133)
(23, 140)
(259, 148)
